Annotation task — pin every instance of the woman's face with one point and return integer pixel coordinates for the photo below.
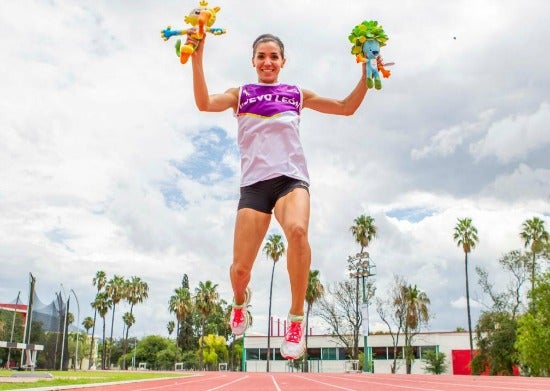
(268, 61)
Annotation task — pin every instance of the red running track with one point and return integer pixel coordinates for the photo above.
(238, 381)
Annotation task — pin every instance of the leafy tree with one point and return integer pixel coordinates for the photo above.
(206, 298)
(417, 314)
(148, 348)
(190, 359)
(137, 291)
(393, 312)
(274, 249)
(495, 338)
(187, 335)
(516, 264)
(11, 320)
(99, 282)
(215, 349)
(180, 304)
(465, 235)
(534, 235)
(165, 358)
(337, 309)
(235, 354)
(435, 362)
(533, 334)
(314, 292)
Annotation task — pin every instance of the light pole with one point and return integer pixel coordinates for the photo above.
(77, 325)
(362, 266)
(243, 357)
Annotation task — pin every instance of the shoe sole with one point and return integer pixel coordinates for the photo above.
(247, 298)
(289, 357)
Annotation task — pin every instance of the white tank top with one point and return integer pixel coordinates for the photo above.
(268, 117)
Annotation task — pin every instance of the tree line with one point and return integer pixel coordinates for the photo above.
(507, 334)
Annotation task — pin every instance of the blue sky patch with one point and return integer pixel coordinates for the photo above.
(206, 164)
(414, 215)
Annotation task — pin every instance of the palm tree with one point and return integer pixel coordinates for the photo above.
(417, 313)
(88, 323)
(115, 289)
(364, 231)
(180, 304)
(274, 249)
(315, 290)
(101, 304)
(534, 234)
(465, 235)
(129, 319)
(206, 298)
(99, 282)
(137, 291)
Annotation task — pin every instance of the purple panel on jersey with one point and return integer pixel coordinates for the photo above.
(268, 100)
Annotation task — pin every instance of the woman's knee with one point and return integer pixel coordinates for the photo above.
(240, 270)
(297, 234)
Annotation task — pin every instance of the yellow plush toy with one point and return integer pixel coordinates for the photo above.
(201, 19)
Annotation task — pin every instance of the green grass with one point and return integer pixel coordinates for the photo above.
(68, 378)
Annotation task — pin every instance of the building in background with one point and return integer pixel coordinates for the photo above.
(327, 354)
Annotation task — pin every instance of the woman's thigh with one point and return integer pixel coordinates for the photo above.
(250, 229)
(292, 211)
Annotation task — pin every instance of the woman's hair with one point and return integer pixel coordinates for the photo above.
(268, 38)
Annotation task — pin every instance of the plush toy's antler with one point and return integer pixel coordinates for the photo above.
(201, 19)
(380, 65)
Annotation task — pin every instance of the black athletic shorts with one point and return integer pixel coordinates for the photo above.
(263, 195)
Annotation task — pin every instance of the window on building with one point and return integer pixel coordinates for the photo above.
(344, 354)
(416, 352)
(329, 354)
(380, 353)
(314, 353)
(399, 352)
(277, 355)
(252, 354)
(263, 354)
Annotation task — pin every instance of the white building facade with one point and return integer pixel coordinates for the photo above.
(328, 354)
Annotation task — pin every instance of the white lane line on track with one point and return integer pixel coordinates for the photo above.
(180, 382)
(327, 384)
(228, 383)
(275, 382)
(382, 384)
(444, 383)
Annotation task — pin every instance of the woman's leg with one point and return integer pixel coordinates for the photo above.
(250, 229)
(292, 213)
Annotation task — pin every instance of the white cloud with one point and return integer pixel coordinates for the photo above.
(446, 141)
(514, 137)
(96, 110)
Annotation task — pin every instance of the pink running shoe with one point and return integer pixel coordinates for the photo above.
(294, 346)
(240, 318)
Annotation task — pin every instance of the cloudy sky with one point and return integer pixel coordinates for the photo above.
(106, 164)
